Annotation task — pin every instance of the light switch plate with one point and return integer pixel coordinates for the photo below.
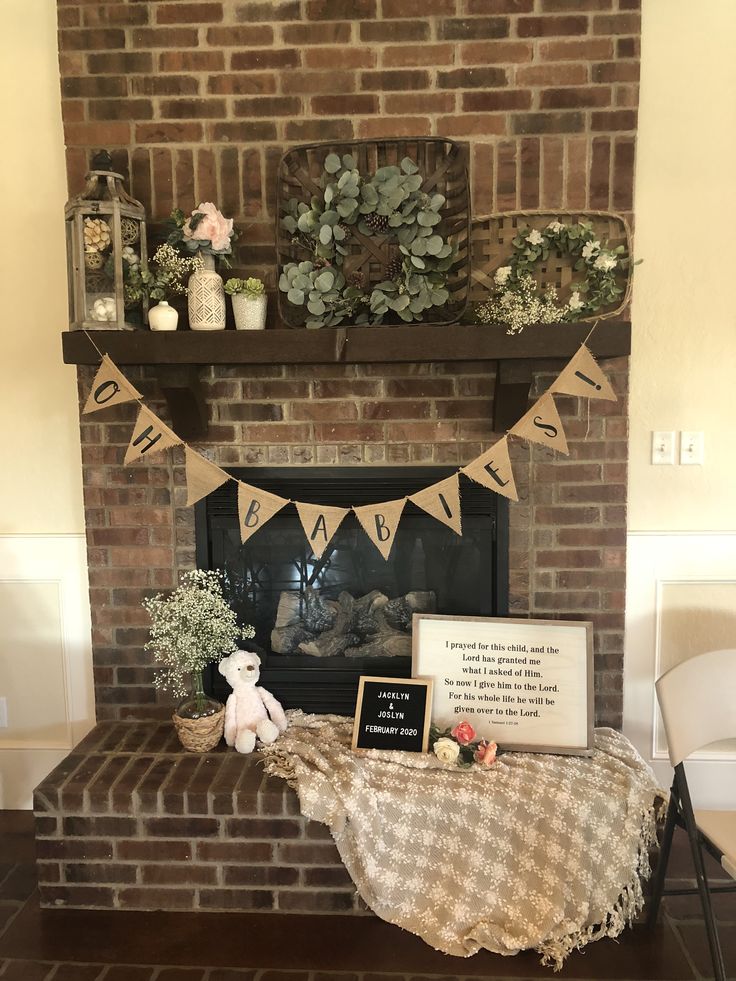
(692, 448)
(3, 713)
(663, 448)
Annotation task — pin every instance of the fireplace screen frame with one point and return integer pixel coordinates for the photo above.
(330, 684)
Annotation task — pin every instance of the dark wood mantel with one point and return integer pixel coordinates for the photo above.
(181, 354)
(351, 345)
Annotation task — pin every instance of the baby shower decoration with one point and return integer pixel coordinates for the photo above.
(581, 376)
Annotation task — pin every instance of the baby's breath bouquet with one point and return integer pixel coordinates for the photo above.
(190, 628)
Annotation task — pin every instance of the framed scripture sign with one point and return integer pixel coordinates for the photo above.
(526, 684)
(393, 713)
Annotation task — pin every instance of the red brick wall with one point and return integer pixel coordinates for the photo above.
(567, 536)
(200, 99)
(197, 101)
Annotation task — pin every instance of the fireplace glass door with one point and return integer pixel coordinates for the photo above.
(322, 622)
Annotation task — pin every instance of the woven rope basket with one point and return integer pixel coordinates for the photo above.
(491, 246)
(200, 735)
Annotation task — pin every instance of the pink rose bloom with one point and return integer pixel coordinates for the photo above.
(214, 227)
(485, 754)
(464, 733)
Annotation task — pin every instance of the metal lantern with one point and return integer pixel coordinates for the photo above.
(106, 247)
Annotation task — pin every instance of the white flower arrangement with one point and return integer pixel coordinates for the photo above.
(516, 299)
(190, 628)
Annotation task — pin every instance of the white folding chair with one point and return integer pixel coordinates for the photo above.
(698, 703)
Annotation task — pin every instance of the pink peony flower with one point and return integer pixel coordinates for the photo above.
(464, 733)
(214, 227)
(485, 754)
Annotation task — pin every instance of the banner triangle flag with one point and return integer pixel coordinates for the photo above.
(582, 376)
(493, 470)
(320, 524)
(202, 475)
(255, 508)
(110, 387)
(442, 501)
(149, 436)
(380, 522)
(542, 425)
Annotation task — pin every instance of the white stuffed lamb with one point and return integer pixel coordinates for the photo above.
(248, 708)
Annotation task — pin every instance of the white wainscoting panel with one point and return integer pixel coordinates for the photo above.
(45, 657)
(680, 602)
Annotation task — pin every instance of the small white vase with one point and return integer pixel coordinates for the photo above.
(250, 312)
(206, 298)
(163, 317)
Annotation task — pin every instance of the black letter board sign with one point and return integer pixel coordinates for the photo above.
(393, 713)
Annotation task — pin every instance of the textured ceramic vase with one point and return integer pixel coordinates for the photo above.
(206, 298)
(250, 312)
(163, 317)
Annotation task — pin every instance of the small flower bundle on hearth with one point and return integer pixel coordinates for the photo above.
(460, 746)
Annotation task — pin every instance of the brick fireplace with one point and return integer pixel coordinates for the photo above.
(197, 101)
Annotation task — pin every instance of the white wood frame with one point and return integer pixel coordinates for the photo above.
(654, 560)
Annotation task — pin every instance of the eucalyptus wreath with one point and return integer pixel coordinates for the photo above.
(388, 204)
(517, 300)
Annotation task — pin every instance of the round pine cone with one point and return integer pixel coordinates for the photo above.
(377, 223)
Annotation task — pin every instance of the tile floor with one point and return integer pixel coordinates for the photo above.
(78, 945)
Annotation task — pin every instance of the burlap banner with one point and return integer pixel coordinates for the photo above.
(255, 508)
(582, 376)
(442, 501)
(203, 477)
(380, 522)
(110, 387)
(493, 470)
(150, 435)
(542, 424)
(320, 524)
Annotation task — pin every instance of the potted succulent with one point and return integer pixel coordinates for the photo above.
(162, 280)
(249, 302)
(207, 233)
(190, 628)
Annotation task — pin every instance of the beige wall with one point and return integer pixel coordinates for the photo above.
(40, 489)
(683, 366)
(43, 587)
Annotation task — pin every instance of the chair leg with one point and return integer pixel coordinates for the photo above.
(664, 857)
(700, 874)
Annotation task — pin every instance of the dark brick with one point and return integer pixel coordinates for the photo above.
(376, 32)
(548, 122)
(340, 9)
(311, 901)
(242, 899)
(262, 828)
(472, 78)
(107, 827)
(394, 81)
(471, 28)
(551, 26)
(184, 827)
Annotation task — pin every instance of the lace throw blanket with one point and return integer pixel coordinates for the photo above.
(539, 852)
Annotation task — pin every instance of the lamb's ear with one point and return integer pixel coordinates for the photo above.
(222, 666)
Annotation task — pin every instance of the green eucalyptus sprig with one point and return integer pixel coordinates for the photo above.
(389, 204)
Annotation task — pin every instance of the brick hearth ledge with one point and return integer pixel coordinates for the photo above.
(131, 821)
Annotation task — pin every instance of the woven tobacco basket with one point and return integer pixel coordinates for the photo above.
(490, 247)
(441, 162)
